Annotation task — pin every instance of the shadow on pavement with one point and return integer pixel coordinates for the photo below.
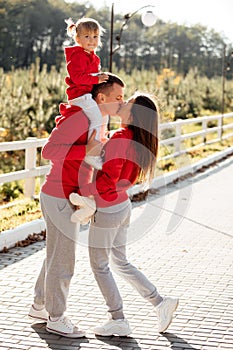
(19, 253)
(54, 340)
(182, 182)
(178, 343)
(123, 343)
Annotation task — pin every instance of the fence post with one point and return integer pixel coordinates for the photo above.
(178, 134)
(220, 127)
(204, 128)
(30, 163)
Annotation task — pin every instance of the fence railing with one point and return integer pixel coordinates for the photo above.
(211, 129)
(173, 138)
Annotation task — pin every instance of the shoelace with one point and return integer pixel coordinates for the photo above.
(67, 323)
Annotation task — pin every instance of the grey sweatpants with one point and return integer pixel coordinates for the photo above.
(107, 239)
(52, 285)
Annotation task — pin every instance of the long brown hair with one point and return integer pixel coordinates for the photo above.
(145, 116)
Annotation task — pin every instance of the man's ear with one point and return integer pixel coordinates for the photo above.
(100, 98)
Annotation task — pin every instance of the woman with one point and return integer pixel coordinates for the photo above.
(130, 156)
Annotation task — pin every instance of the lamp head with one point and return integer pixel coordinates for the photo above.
(148, 18)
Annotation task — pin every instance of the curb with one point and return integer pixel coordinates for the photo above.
(9, 238)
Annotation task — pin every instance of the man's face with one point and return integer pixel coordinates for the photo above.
(110, 104)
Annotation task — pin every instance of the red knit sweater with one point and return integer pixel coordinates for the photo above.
(80, 65)
(119, 172)
(66, 150)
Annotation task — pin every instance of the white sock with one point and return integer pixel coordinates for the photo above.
(38, 307)
(54, 319)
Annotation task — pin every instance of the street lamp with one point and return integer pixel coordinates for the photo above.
(226, 67)
(148, 19)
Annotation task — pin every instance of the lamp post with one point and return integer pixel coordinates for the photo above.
(148, 19)
(226, 67)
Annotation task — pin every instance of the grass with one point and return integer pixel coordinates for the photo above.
(19, 212)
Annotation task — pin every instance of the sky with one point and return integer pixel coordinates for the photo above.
(215, 15)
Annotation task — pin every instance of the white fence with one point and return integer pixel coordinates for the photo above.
(220, 126)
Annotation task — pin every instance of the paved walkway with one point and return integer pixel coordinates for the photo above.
(181, 237)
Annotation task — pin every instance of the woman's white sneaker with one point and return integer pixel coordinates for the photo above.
(165, 312)
(38, 314)
(63, 326)
(114, 327)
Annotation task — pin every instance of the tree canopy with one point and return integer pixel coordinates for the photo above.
(36, 28)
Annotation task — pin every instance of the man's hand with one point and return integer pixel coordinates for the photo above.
(93, 147)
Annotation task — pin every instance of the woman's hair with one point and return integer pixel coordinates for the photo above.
(145, 115)
(88, 24)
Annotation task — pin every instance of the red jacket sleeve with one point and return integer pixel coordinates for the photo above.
(68, 139)
(114, 171)
(79, 71)
(55, 151)
(106, 179)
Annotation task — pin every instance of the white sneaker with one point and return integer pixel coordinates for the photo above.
(120, 327)
(95, 161)
(165, 312)
(87, 207)
(63, 326)
(38, 314)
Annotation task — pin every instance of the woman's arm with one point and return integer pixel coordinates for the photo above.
(107, 180)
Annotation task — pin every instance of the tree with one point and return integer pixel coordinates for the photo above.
(36, 28)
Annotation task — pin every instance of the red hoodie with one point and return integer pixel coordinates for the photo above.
(120, 171)
(66, 150)
(80, 65)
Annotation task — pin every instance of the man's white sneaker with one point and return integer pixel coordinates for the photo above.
(38, 314)
(165, 312)
(63, 326)
(120, 327)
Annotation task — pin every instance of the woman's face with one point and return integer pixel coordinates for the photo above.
(125, 112)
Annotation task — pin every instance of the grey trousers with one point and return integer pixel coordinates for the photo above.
(52, 285)
(107, 240)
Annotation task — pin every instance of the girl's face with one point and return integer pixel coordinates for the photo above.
(88, 40)
(125, 112)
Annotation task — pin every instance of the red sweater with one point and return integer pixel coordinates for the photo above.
(80, 65)
(119, 171)
(66, 150)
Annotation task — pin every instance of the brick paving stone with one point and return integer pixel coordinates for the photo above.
(193, 262)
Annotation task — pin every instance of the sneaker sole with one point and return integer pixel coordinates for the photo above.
(176, 306)
(120, 334)
(37, 318)
(67, 335)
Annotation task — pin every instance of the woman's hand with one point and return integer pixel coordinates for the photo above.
(93, 147)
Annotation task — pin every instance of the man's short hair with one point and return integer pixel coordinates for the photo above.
(105, 87)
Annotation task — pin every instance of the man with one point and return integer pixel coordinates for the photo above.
(66, 149)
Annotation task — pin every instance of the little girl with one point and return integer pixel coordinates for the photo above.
(83, 67)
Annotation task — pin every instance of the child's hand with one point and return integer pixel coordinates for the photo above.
(103, 77)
